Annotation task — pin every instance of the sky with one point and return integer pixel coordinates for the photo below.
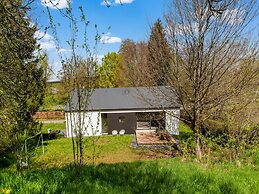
(130, 20)
(122, 19)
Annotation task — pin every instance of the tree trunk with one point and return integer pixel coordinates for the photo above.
(198, 147)
(81, 148)
(73, 146)
(72, 131)
(197, 131)
(77, 151)
(18, 164)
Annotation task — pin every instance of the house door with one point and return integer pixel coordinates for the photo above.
(122, 122)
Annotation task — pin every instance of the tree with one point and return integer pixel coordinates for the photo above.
(133, 63)
(78, 80)
(78, 76)
(22, 79)
(213, 59)
(107, 72)
(159, 54)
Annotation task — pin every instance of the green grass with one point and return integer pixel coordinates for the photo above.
(184, 131)
(122, 169)
(109, 149)
(160, 176)
(52, 126)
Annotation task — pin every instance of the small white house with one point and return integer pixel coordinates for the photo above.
(124, 110)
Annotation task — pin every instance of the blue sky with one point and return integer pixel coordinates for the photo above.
(131, 20)
(116, 23)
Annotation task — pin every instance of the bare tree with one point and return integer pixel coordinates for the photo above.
(79, 82)
(212, 56)
(134, 63)
(77, 75)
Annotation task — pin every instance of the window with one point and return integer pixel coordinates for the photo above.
(121, 119)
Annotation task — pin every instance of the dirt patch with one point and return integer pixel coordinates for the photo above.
(150, 137)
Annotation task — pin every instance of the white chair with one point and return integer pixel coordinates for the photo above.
(114, 132)
(122, 132)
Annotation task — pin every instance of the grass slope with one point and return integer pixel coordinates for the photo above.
(161, 176)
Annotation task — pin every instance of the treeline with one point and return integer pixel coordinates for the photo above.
(137, 63)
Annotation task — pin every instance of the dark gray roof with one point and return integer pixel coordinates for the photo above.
(102, 99)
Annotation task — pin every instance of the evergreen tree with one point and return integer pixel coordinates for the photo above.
(22, 79)
(159, 54)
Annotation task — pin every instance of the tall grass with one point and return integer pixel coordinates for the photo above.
(161, 176)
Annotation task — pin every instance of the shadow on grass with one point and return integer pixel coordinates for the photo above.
(137, 177)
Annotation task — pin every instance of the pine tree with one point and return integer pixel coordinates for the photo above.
(159, 54)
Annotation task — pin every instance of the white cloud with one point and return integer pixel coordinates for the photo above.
(123, 1)
(115, 2)
(62, 50)
(55, 4)
(108, 39)
(45, 40)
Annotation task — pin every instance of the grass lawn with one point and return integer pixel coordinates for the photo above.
(109, 149)
(52, 126)
(122, 169)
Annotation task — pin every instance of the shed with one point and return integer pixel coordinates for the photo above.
(124, 110)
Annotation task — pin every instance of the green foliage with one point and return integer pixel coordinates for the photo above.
(161, 176)
(221, 145)
(241, 148)
(107, 72)
(22, 80)
(54, 98)
(184, 131)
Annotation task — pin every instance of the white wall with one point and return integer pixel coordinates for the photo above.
(172, 121)
(91, 123)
